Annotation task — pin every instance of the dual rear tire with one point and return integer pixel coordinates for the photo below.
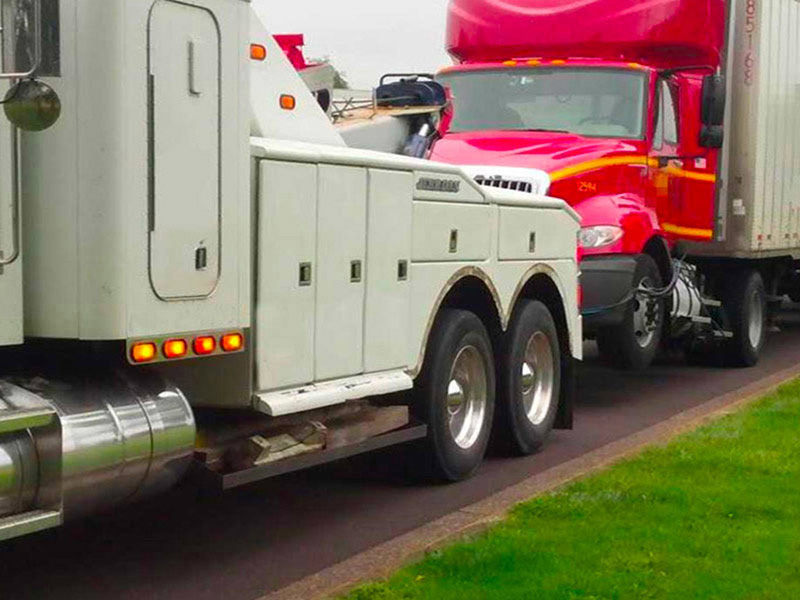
(744, 302)
(463, 386)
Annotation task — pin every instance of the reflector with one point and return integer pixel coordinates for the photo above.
(175, 348)
(288, 102)
(142, 353)
(258, 52)
(205, 345)
(232, 342)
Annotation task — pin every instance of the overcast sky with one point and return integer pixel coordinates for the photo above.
(366, 38)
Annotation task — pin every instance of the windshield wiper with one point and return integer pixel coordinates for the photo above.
(546, 130)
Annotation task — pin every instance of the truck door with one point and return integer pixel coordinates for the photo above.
(665, 166)
(185, 125)
(684, 187)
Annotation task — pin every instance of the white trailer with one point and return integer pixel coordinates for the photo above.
(758, 212)
(197, 271)
(752, 262)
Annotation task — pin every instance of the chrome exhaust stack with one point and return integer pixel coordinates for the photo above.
(69, 449)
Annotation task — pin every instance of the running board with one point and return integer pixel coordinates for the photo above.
(221, 482)
(28, 523)
(323, 395)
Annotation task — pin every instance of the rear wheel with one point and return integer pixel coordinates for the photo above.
(633, 344)
(744, 302)
(529, 380)
(455, 395)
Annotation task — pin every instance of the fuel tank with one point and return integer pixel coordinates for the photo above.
(86, 444)
(661, 33)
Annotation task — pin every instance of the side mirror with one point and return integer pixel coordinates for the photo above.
(712, 137)
(32, 105)
(713, 101)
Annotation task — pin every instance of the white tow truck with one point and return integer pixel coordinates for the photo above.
(198, 276)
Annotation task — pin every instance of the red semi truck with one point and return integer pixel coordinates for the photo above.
(671, 126)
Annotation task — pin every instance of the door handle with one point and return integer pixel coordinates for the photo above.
(9, 259)
(193, 89)
(356, 271)
(306, 274)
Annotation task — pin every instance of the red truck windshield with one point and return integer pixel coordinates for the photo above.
(590, 102)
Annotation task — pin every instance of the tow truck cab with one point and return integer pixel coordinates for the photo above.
(617, 110)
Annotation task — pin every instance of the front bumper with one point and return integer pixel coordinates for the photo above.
(606, 282)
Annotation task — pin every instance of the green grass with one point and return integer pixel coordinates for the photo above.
(715, 514)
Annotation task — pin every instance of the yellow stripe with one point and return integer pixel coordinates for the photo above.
(688, 231)
(631, 160)
(598, 164)
(708, 177)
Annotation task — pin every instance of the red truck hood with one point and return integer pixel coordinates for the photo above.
(549, 152)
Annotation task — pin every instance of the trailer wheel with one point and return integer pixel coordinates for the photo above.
(634, 343)
(529, 380)
(455, 395)
(744, 301)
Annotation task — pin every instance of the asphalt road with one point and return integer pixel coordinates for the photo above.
(255, 540)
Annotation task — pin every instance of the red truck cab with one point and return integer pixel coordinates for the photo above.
(606, 105)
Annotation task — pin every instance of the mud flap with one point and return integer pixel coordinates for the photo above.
(565, 419)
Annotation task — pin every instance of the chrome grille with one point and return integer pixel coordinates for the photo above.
(502, 183)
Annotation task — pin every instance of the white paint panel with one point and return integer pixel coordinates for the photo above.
(185, 153)
(341, 271)
(271, 78)
(534, 234)
(388, 305)
(449, 232)
(287, 209)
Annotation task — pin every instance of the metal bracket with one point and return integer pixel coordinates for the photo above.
(47, 512)
(37, 46)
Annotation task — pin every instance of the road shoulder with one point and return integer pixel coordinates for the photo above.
(383, 560)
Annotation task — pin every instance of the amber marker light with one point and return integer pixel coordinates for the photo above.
(175, 348)
(144, 352)
(205, 345)
(288, 102)
(232, 342)
(258, 52)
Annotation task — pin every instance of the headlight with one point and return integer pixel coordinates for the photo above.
(599, 237)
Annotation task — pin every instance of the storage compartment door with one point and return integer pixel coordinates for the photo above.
(388, 306)
(341, 256)
(286, 284)
(10, 264)
(185, 124)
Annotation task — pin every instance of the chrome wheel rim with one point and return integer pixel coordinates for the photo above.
(538, 378)
(645, 324)
(467, 398)
(756, 325)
